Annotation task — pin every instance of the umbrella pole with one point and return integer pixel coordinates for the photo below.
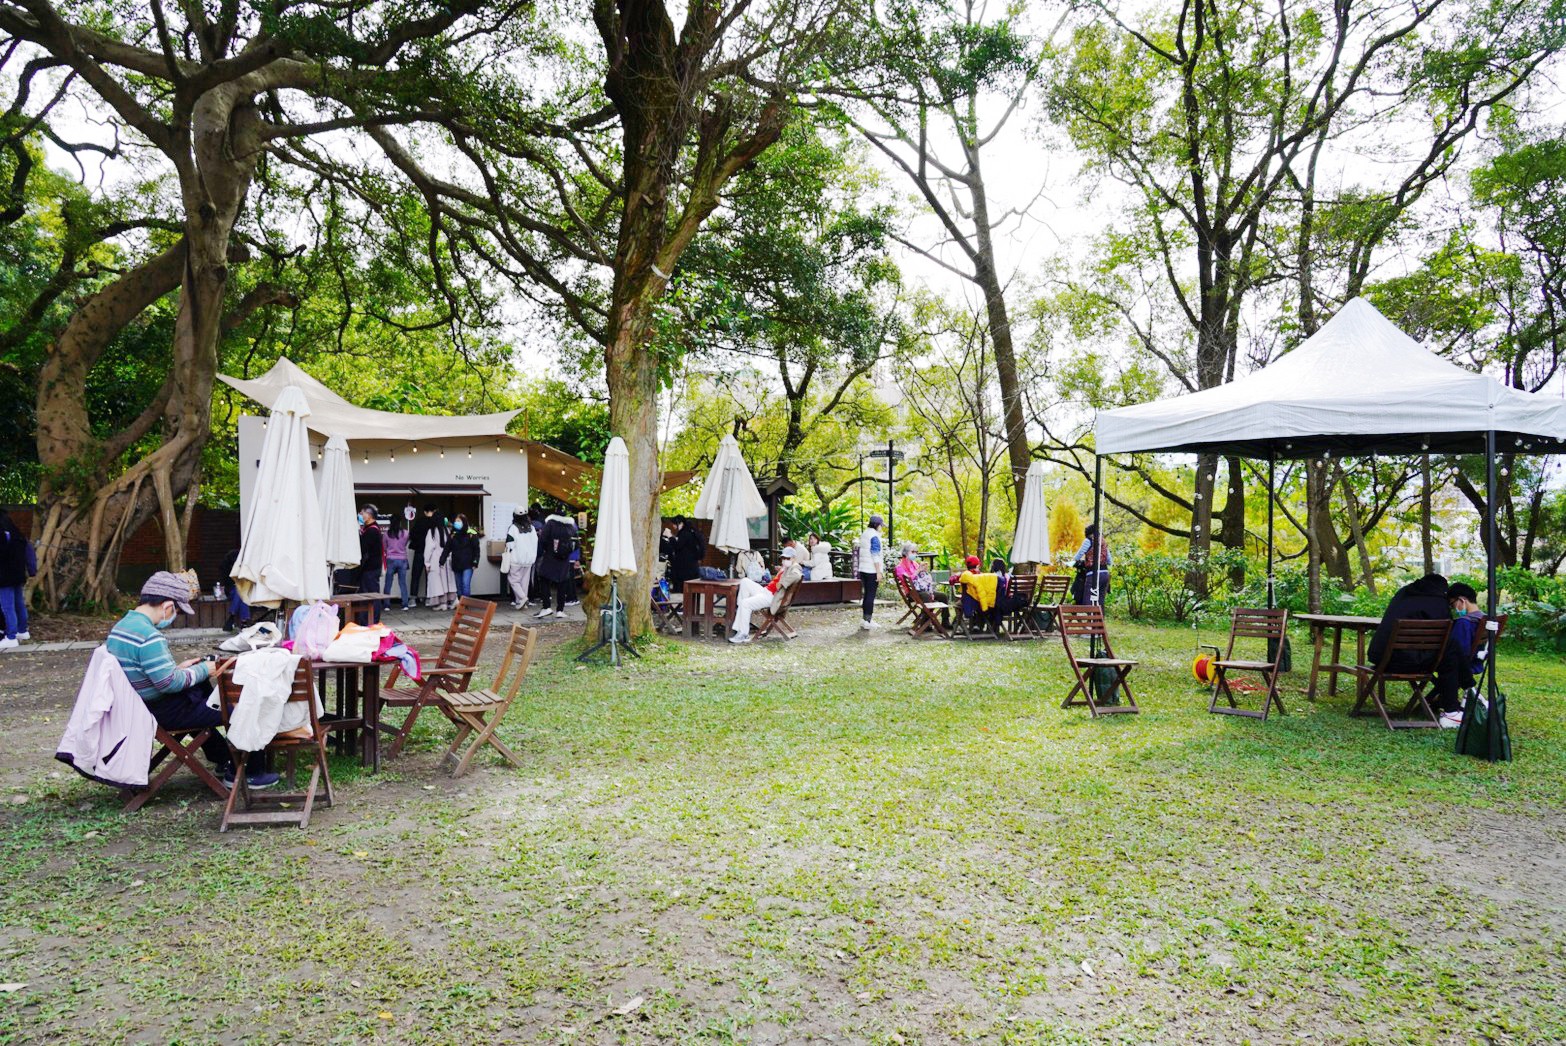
(609, 631)
(1097, 598)
(1492, 721)
(1272, 462)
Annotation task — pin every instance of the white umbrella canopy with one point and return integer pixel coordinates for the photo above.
(730, 524)
(712, 497)
(282, 555)
(1031, 542)
(613, 550)
(338, 511)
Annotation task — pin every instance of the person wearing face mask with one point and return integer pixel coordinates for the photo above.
(372, 556)
(418, 527)
(397, 538)
(175, 694)
(462, 553)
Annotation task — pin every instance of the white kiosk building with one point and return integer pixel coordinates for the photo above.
(468, 464)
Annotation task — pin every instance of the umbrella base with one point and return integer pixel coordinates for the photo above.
(609, 618)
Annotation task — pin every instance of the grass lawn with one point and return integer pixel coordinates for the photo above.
(849, 837)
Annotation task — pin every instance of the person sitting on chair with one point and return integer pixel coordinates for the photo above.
(175, 694)
(1426, 600)
(818, 560)
(979, 592)
(912, 571)
(1467, 622)
(753, 597)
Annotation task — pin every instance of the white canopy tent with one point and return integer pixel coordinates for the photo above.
(1357, 386)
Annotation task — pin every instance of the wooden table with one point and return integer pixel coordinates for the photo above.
(708, 605)
(359, 607)
(357, 717)
(1338, 623)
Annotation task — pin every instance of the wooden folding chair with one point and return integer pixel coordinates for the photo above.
(668, 616)
(1088, 623)
(1270, 627)
(1020, 620)
(293, 806)
(1052, 592)
(910, 608)
(449, 672)
(180, 747)
(477, 713)
(931, 616)
(1415, 638)
(779, 622)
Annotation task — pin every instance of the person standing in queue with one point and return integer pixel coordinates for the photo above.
(556, 542)
(372, 555)
(869, 566)
(397, 541)
(440, 584)
(522, 543)
(418, 529)
(462, 554)
(684, 547)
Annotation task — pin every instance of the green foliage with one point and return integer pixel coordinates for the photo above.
(835, 524)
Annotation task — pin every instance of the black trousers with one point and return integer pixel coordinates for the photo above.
(564, 590)
(1451, 676)
(416, 577)
(189, 709)
(869, 582)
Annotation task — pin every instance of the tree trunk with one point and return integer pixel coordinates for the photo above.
(1356, 531)
(1201, 522)
(632, 373)
(1233, 522)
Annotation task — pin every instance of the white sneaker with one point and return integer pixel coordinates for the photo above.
(867, 626)
(546, 612)
(1451, 720)
(516, 606)
(22, 637)
(9, 644)
(737, 638)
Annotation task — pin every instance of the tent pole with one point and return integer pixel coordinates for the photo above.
(1272, 464)
(1098, 521)
(1492, 722)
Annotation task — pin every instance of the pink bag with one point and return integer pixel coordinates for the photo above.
(316, 630)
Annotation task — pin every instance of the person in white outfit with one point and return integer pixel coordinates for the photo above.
(869, 566)
(522, 541)
(818, 566)
(753, 597)
(440, 589)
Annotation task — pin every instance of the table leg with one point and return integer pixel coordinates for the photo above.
(1316, 632)
(1337, 659)
(370, 736)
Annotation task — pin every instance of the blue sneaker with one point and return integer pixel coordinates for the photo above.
(265, 779)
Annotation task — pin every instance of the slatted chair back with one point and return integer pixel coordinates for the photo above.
(295, 805)
(1249, 623)
(1415, 636)
(778, 621)
(1023, 606)
(466, 634)
(1482, 635)
(927, 613)
(1053, 588)
(1083, 622)
(477, 713)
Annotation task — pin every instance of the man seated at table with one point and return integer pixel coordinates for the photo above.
(1467, 622)
(175, 694)
(753, 597)
(1426, 600)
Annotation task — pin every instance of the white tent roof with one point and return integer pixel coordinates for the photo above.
(1358, 385)
(331, 415)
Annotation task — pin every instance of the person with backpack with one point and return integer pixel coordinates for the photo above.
(556, 542)
(1092, 561)
(462, 554)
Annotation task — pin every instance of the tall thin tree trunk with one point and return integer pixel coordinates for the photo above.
(1356, 530)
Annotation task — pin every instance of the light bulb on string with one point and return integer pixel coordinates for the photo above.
(415, 448)
(470, 453)
(366, 457)
(392, 454)
(443, 453)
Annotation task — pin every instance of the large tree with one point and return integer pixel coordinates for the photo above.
(204, 96)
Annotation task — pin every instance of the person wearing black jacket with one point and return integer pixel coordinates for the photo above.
(684, 547)
(16, 565)
(462, 554)
(418, 526)
(372, 555)
(1426, 600)
(556, 541)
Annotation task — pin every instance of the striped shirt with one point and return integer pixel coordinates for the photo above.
(141, 650)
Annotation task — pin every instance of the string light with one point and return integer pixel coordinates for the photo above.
(470, 453)
(393, 455)
(443, 453)
(415, 448)
(366, 457)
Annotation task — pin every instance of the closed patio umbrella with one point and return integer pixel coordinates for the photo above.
(282, 554)
(339, 514)
(731, 515)
(1031, 542)
(712, 495)
(613, 551)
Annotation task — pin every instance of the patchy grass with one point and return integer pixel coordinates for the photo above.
(848, 837)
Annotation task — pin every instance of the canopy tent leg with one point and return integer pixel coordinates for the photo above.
(1272, 464)
(1098, 521)
(1497, 745)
